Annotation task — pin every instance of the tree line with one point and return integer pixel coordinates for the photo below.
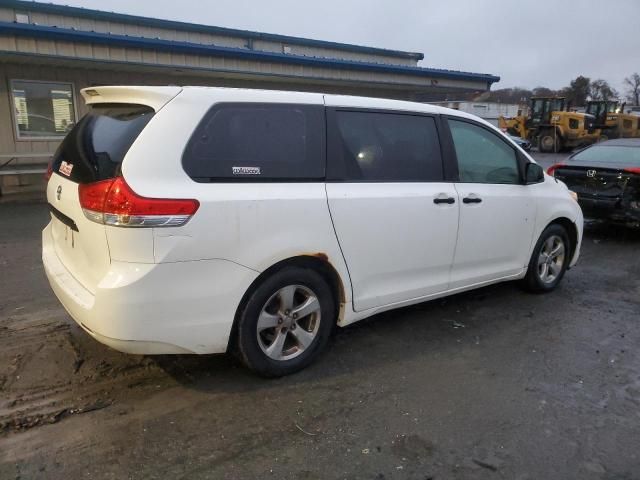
(578, 92)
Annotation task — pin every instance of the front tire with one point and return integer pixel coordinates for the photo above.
(549, 260)
(286, 322)
(549, 142)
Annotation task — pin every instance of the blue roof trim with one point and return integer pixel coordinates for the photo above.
(55, 33)
(194, 27)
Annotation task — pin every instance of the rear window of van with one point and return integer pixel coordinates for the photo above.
(94, 149)
(257, 142)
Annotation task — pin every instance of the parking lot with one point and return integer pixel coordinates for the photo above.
(494, 383)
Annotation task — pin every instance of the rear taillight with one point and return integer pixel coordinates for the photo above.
(551, 170)
(49, 171)
(113, 202)
(635, 170)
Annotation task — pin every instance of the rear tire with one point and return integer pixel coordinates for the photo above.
(286, 322)
(549, 260)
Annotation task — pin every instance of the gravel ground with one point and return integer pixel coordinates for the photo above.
(489, 384)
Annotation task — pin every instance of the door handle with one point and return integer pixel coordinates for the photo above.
(448, 200)
(471, 200)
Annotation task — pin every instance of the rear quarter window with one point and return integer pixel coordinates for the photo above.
(257, 142)
(96, 146)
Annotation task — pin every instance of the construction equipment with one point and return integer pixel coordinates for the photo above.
(552, 126)
(611, 120)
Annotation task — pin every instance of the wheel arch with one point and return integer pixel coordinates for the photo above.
(318, 262)
(572, 231)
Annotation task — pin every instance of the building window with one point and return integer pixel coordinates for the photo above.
(42, 110)
(22, 17)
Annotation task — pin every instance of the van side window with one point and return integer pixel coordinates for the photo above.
(383, 147)
(482, 156)
(257, 142)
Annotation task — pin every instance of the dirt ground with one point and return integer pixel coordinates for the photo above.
(490, 384)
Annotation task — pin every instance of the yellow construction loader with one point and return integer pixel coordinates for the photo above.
(551, 127)
(611, 120)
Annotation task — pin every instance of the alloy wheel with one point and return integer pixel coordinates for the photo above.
(289, 322)
(551, 259)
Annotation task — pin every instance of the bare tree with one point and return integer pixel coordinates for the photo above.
(633, 84)
(601, 90)
(578, 90)
(544, 92)
(506, 95)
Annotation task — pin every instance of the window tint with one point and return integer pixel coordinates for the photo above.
(482, 156)
(94, 149)
(384, 147)
(257, 142)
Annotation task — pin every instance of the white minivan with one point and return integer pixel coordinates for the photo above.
(205, 220)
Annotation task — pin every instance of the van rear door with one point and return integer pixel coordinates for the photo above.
(92, 151)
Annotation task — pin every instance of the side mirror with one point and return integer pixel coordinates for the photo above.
(533, 173)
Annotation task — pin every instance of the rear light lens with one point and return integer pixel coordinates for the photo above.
(551, 170)
(49, 171)
(113, 202)
(635, 170)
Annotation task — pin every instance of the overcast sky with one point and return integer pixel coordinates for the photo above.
(527, 43)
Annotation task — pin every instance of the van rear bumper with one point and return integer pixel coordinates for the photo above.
(165, 308)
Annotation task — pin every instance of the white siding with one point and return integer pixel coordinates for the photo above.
(489, 111)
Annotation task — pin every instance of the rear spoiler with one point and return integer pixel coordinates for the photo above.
(154, 97)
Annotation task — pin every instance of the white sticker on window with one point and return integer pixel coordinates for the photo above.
(245, 170)
(65, 168)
